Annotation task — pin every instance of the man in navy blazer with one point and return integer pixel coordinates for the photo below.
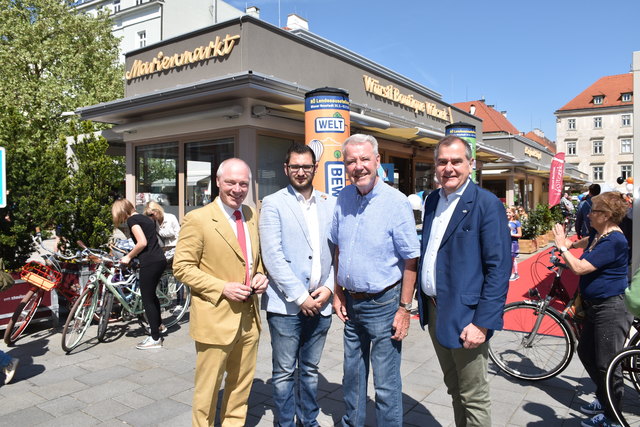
(296, 251)
(463, 278)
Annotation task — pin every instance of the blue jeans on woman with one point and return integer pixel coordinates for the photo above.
(367, 339)
(296, 341)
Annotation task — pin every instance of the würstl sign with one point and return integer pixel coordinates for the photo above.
(532, 153)
(393, 93)
(218, 48)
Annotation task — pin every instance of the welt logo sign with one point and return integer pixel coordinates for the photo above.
(329, 124)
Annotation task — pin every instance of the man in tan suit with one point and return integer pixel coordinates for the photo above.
(225, 319)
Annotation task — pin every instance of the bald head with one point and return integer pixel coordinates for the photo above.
(233, 178)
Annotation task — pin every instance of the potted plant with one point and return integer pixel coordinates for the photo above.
(528, 243)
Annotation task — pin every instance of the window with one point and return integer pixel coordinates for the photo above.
(571, 148)
(626, 97)
(157, 176)
(597, 100)
(571, 124)
(202, 161)
(626, 120)
(597, 147)
(138, 2)
(598, 173)
(626, 171)
(142, 38)
(597, 122)
(116, 6)
(271, 177)
(625, 146)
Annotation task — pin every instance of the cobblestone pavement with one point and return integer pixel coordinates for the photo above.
(114, 384)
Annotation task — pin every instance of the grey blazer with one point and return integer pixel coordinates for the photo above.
(286, 249)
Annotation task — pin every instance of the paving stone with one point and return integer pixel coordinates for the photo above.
(61, 406)
(154, 413)
(106, 409)
(106, 391)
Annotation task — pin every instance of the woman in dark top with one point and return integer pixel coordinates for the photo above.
(152, 264)
(603, 279)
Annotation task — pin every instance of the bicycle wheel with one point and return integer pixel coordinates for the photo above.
(623, 395)
(79, 319)
(22, 315)
(174, 297)
(528, 355)
(105, 314)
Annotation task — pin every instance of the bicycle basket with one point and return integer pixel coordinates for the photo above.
(40, 275)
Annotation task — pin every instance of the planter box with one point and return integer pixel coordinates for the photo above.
(527, 246)
(542, 241)
(549, 237)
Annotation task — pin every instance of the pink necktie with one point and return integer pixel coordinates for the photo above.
(242, 241)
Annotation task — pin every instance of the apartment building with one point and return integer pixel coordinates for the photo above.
(139, 23)
(595, 130)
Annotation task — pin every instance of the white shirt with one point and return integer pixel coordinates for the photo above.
(444, 211)
(232, 223)
(310, 213)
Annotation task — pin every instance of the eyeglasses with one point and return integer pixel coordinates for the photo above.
(598, 210)
(305, 168)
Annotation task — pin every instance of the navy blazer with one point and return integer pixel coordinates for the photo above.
(472, 267)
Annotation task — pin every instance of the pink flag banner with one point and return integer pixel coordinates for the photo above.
(555, 179)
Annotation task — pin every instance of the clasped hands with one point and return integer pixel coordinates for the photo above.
(239, 292)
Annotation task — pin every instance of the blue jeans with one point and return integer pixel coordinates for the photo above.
(296, 341)
(367, 339)
(5, 359)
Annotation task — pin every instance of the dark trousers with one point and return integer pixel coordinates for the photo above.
(149, 278)
(603, 335)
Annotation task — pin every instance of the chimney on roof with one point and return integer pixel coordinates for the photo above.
(253, 11)
(491, 105)
(472, 109)
(504, 113)
(295, 22)
(538, 132)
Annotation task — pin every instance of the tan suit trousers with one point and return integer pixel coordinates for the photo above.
(238, 360)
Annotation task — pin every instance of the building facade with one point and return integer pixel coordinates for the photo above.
(595, 130)
(139, 23)
(237, 89)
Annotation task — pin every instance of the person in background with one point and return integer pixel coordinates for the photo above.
(522, 214)
(294, 224)
(377, 249)
(218, 257)
(583, 227)
(602, 268)
(152, 264)
(464, 278)
(9, 366)
(515, 229)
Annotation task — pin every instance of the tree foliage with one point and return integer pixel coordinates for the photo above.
(52, 60)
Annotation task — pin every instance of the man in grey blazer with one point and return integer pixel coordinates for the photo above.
(294, 226)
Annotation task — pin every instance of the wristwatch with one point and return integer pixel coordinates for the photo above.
(563, 249)
(407, 306)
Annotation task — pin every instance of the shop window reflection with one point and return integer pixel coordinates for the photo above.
(157, 176)
(270, 176)
(202, 160)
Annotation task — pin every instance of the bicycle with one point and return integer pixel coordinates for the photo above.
(626, 365)
(110, 283)
(538, 340)
(43, 278)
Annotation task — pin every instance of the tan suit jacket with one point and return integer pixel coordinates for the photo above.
(207, 257)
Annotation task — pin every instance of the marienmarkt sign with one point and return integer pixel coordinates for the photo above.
(3, 179)
(218, 48)
(393, 93)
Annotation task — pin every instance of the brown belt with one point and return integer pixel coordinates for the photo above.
(366, 295)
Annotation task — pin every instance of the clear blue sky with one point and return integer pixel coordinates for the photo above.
(526, 57)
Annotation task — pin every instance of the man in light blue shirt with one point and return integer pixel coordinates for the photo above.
(377, 249)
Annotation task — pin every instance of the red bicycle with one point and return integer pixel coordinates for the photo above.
(43, 278)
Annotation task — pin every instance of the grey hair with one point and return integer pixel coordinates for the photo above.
(226, 162)
(360, 138)
(451, 139)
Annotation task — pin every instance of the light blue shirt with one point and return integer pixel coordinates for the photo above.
(375, 233)
(444, 210)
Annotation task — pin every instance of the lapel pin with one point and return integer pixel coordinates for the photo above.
(465, 211)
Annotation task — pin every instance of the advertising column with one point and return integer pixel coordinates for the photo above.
(326, 122)
(467, 132)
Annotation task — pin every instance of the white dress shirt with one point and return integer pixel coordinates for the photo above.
(309, 209)
(232, 223)
(444, 211)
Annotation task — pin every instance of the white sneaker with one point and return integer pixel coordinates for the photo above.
(10, 370)
(177, 309)
(149, 344)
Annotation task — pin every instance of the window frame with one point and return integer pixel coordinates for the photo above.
(597, 147)
(598, 99)
(625, 120)
(142, 38)
(627, 174)
(626, 95)
(597, 122)
(572, 148)
(571, 124)
(597, 172)
(623, 143)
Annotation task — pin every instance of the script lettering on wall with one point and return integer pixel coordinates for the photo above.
(393, 94)
(218, 48)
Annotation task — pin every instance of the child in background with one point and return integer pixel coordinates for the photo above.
(516, 232)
